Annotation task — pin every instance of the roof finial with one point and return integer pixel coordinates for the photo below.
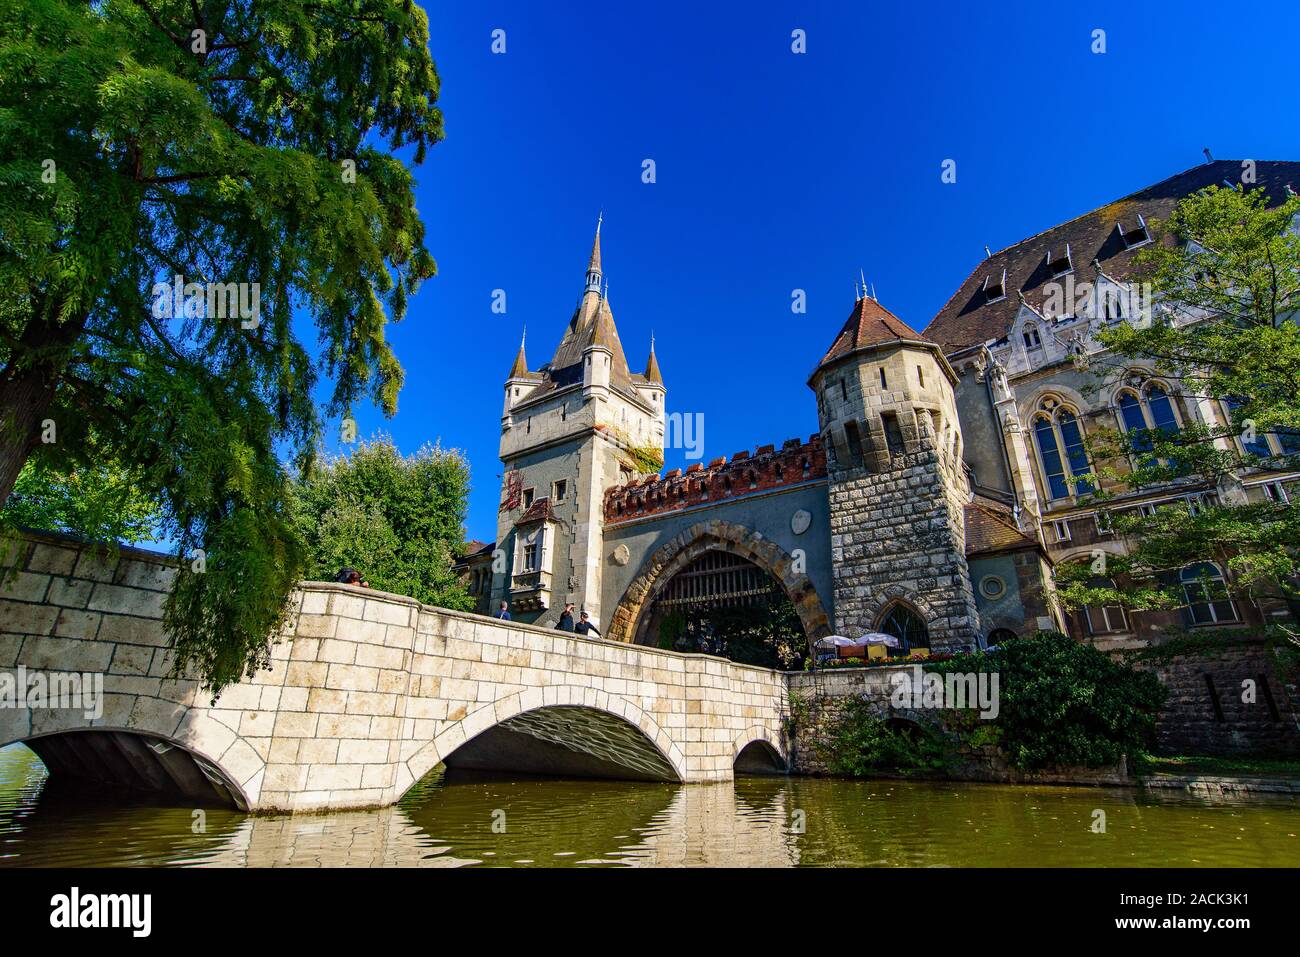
(873, 293)
(987, 251)
(1208, 157)
(593, 265)
(863, 276)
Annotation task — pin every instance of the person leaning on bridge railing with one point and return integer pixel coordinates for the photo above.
(566, 618)
(585, 627)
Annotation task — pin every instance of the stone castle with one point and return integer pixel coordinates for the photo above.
(935, 498)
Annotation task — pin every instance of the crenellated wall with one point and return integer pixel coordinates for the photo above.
(765, 469)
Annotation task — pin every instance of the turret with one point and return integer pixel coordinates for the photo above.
(888, 417)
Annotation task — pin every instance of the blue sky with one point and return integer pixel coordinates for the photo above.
(778, 171)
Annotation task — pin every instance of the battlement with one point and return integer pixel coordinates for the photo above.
(761, 470)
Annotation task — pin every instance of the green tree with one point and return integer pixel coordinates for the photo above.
(396, 519)
(1064, 703)
(1225, 275)
(246, 147)
(100, 503)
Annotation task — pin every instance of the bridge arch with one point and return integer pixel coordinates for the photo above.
(153, 746)
(758, 750)
(522, 710)
(684, 548)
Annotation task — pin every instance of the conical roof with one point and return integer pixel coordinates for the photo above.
(869, 324)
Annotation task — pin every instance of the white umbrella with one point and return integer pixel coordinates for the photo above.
(835, 641)
(879, 638)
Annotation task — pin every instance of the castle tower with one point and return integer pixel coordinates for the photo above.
(579, 425)
(888, 417)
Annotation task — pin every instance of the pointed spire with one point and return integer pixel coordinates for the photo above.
(863, 276)
(520, 368)
(652, 373)
(593, 265)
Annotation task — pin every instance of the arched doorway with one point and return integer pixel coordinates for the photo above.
(630, 619)
(723, 604)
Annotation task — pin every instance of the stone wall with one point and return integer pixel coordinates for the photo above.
(1207, 711)
(899, 535)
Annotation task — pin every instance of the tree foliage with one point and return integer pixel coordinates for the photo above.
(396, 519)
(149, 142)
(100, 502)
(1225, 273)
(1065, 704)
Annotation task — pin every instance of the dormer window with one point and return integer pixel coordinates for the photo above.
(1137, 235)
(1060, 263)
(1032, 340)
(995, 287)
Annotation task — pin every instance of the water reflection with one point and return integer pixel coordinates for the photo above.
(476, 820)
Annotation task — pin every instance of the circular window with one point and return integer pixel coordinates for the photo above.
(991, 586)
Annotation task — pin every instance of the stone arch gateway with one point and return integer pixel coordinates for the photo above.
(677, 553)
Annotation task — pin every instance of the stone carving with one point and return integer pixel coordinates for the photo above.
(800, 521)
(621, 555)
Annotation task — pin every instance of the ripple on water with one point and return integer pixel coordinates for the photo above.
(466, 821)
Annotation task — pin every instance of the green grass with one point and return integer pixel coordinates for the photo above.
(1244, 765)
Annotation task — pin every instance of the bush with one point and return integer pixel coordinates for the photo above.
(857, 742)
(1064, 703)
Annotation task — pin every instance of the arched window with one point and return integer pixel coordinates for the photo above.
(1104, 619)
(1263, 445)
(1146, 412)
(999, 636)
(905, 625)
(1030, 335)
(1058, 437)
(1206, 595)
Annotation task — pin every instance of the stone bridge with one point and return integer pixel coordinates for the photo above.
(367, 692)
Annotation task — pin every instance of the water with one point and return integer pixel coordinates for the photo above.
(774, 822)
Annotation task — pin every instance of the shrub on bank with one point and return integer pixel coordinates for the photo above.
(1060, 704)
(1065, 704)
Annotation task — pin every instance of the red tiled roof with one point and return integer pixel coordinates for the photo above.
(990, 527)
(968, 318)
(868, 324)
(539, 511)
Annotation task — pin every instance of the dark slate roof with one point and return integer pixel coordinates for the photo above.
(968, 318)
(868, 324)
(990, 527)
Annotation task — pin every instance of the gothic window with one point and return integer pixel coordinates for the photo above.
(1058, 437)
(905, 625)
(1206, 594)
(1031, 337)
(1263, 445)
(1151, 411)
